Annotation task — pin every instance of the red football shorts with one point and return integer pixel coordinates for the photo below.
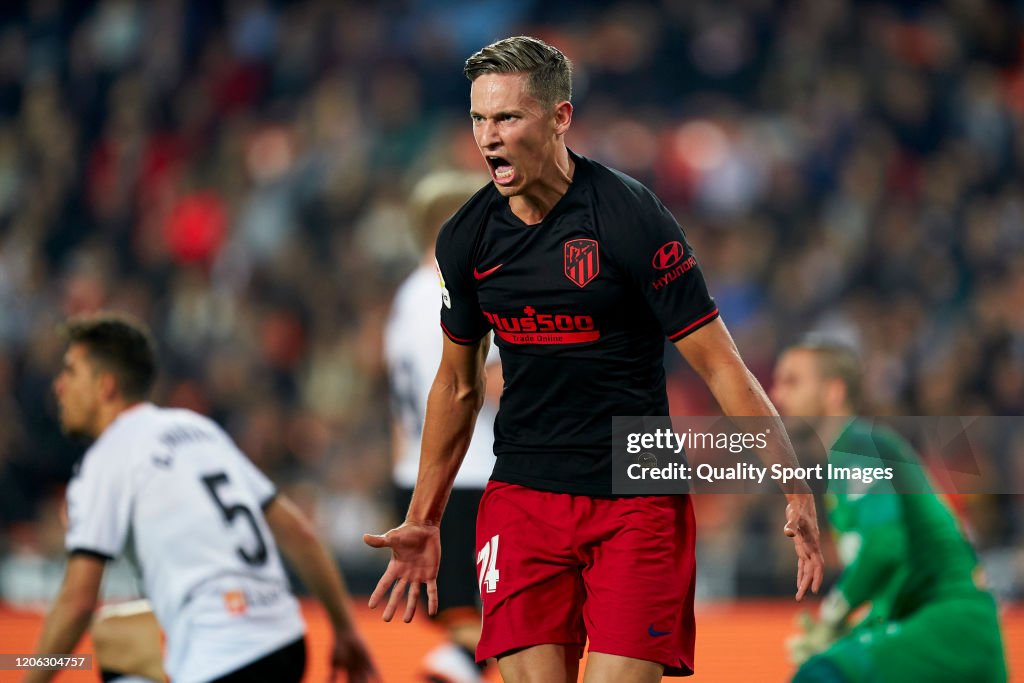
(559, 568)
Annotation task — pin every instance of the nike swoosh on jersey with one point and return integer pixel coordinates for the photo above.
(490, 271)
(654, 634)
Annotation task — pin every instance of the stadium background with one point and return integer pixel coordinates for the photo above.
(234, 173)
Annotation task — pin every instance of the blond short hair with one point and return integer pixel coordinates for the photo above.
(436, 197)
(548, 71)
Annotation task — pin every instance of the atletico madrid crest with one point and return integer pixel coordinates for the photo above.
(581, 262)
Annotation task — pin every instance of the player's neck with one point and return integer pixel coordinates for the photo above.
(533, 206)
(109, 412)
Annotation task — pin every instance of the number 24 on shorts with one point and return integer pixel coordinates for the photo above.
(487, 558)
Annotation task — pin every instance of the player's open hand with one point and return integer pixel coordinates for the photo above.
(351, 657)
(802, 527)
(415, 557)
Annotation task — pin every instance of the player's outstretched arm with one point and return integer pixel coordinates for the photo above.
(452, 406)
(307, 555)
(713, 355)
(71, 612)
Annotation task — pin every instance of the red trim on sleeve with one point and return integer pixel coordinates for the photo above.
(694, 325)
(458, 340)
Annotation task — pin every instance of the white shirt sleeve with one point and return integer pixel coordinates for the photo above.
(99, 503)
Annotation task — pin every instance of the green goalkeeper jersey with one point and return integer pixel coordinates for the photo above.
(900, 544)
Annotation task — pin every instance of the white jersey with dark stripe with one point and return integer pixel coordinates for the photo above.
(412, 351)
(580, 305)
(168, 488)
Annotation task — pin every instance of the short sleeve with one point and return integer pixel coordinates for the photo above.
(660, 262)
(99, 500)
(461, 318)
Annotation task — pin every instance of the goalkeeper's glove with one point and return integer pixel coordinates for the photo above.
(815, 636)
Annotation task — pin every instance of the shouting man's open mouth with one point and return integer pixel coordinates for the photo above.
(501, 170)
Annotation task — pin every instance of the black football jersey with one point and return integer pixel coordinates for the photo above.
(580, 305)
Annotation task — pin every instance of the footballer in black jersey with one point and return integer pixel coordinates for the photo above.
(580, 305)
(579, 273)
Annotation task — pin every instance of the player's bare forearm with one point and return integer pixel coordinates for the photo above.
(71, 611)
(740, 394)
(453, 404)
(451, 416)
(62, 630)
(710, 351)
(309, 558)
(713, 355)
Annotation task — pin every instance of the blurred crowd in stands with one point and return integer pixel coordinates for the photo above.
(235, 173)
